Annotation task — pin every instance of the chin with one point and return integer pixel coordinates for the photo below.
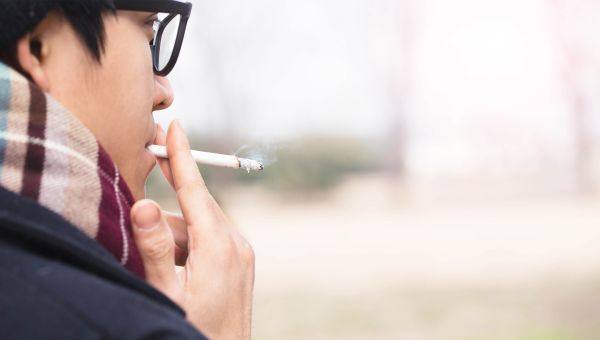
(138, 192)
(138, 185)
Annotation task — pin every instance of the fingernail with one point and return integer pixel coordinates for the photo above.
(147, 216)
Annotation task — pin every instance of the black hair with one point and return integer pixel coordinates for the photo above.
(85, 17)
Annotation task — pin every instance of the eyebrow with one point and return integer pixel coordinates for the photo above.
(153, 14)
(141, 14)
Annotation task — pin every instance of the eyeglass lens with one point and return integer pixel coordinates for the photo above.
(167, 38)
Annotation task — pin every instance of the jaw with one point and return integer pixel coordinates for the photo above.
(137, 171)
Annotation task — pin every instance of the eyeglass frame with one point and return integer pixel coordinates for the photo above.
(172, 8)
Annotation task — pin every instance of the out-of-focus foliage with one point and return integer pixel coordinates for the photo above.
(316, 164)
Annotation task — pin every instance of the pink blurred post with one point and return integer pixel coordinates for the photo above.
(572, 68)
(400, 87)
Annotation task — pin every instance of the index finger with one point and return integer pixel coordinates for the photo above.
(165, 168)
(192, 193)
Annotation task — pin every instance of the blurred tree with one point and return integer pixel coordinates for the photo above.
(573, 68)
(315, 164)
(403, 20)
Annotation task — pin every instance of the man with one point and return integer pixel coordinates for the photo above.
(82, 253)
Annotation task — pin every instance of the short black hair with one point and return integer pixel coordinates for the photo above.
(85, 17)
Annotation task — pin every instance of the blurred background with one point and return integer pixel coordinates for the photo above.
(434, 166)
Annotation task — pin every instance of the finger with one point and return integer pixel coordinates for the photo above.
(194, 199)
(178, 228)
(163, 163)
(154, 240)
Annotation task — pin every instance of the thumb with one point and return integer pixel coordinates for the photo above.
(155, 242)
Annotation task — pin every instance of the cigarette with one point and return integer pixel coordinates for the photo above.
(214, 159)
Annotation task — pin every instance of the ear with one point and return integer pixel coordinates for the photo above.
(30, 54)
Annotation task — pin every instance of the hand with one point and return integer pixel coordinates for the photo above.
(215, 287)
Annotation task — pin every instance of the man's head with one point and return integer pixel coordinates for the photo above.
(96, 60)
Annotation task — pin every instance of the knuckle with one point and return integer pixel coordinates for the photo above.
(244, 250)
(156, 248)
(248, 255)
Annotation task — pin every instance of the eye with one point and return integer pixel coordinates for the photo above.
(151, 27)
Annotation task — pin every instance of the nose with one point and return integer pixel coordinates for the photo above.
(163, 93)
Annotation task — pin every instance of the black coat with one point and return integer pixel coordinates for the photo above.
(57, 283)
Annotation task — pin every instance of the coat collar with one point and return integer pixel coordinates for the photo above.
(48, 233)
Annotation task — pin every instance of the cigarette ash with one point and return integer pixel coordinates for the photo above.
(257, 157)
(250, 164)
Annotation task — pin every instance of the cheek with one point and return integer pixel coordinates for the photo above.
(128, 60)
(128, 84)
(131, 74)
(124, 111)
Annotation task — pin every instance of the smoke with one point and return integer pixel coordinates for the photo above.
(266, 154)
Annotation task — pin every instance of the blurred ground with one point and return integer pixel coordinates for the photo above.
(465, 260)
(357, 265)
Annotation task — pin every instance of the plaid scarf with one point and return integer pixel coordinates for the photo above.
(48, 155)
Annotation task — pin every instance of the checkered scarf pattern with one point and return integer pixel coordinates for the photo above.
(48, 155)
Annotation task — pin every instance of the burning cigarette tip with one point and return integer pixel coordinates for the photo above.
(251, 165)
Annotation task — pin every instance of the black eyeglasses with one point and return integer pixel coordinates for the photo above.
(169, 29)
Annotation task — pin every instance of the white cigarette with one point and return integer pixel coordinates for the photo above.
(228, 161)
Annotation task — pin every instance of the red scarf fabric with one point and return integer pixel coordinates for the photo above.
(48, 155)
